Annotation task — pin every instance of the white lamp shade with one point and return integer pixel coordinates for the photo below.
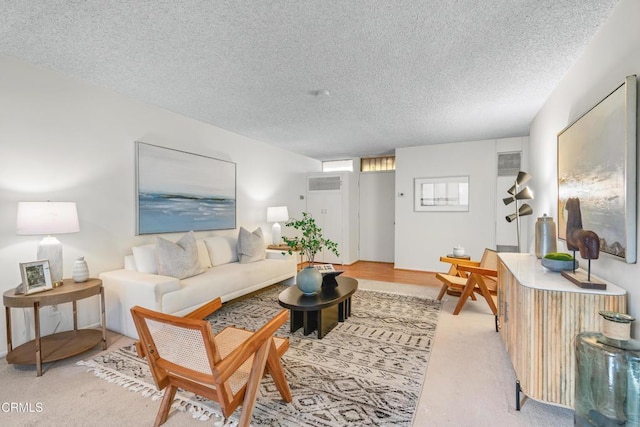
(45, 218)
(277, 213)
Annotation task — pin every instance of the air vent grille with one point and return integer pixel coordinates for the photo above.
(324, 183)
(509, 164)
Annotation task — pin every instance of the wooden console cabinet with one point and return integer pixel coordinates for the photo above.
(539, 314)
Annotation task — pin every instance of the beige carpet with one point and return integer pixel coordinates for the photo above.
(469, 382)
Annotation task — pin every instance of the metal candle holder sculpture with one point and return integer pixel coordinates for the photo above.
(519, 194)
(585, 241)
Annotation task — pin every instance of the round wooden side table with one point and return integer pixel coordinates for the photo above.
(62, 344)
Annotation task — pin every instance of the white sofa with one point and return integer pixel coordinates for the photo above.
(223, 276)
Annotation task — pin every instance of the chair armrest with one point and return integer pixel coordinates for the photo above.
(479, 270)
(459, 261)
(205, 310)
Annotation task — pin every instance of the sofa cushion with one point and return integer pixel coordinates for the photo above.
(145, 258)
(222, 250)
(178, 259)
(251, 246)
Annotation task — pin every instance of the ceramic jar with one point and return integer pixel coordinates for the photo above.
(309, 280)
(545, 236)
(80, 272)
(458, 250)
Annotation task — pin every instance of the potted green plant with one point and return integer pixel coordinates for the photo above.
(310, 242)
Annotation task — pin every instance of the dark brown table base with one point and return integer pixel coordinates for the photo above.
(320, 312)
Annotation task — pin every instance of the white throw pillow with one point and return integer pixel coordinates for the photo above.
(178, 259)
(203, 255)
(145, 258)
(251, 246)
(222, 250)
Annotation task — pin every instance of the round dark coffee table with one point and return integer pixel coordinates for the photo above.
(321, 311)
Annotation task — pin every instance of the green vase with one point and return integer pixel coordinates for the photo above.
(309, 280)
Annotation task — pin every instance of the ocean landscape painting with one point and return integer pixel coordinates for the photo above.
(594, 165)
(179, 191)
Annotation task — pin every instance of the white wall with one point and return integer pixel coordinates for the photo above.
(613, 54)
(63, 140)
(421, 238)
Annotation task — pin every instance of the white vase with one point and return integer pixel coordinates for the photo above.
(80, 272)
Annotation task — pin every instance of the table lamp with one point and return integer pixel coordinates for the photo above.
(275, 214)
(48, 218)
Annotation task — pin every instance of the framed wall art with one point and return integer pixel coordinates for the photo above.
(178, 191)
(597, 165)
(441, 194)
(36, 277)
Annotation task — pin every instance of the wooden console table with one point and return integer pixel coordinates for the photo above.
(540, 313)
(62, 344)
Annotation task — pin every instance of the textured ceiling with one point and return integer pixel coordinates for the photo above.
(399, 73)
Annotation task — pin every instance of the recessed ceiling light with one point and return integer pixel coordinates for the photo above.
(319, 92)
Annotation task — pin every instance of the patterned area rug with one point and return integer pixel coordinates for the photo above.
(369, 370)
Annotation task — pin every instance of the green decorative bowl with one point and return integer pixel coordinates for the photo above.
(558, 265)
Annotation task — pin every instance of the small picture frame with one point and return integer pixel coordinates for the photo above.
(36, 276)
(324, 268)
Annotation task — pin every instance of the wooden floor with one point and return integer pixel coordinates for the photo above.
(385, 272)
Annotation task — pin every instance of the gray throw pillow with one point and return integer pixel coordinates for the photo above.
(251, 246)
(178, 259)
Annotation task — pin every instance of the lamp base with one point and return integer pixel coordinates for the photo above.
(276, 234)
(50, 249)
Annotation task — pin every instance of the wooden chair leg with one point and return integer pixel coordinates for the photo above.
(251, 392)
(443, 289)
(487, 295)
(165, 405)
(466, 293)
(276, 370)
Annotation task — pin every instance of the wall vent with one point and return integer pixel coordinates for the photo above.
(324, 183)
(509, 164)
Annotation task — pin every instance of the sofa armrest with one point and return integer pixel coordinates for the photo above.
(124, 289)
(278, 254)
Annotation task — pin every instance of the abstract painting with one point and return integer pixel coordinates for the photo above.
(179, 191)
(441, 194)
(596, 164)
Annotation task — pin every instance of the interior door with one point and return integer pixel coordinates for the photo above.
(377, 216)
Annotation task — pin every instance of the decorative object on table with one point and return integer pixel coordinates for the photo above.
(309, 243)
(48, 218)
(80, 272)
(329, 274)
(36, 277)
(309, 280)
(518, 193)
(179, 191)
(559, 261)
(276, 214)
(586, 241)
(597, 162)
(458, 251)
(608, 374)
(441, 194)
(545, 236)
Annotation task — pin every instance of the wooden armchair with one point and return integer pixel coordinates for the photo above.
(227, 367)
(471, 277)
